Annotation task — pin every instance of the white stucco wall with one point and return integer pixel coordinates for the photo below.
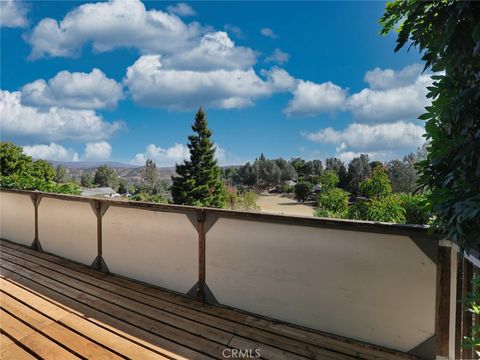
(372, 287)
(17, 218)
(159, 248)
(68, 229)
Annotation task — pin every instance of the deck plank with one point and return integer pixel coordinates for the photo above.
(158, 321)
(10, 350)
(263, 338)
(36, 342)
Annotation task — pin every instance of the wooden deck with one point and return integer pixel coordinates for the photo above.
(52, 308)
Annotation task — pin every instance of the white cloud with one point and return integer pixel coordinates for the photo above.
(52, 151)
(163, 157)
(278, 57)
(310, 99)
(98, 151)
(235, 30)
(110, 25)
(268, 33)
(379, 79)
(150, 83)
(52, 124)
(182, 9)
(392, 104)
(215, 51)
(393, 96)
(381, 140)
(74, 90)
(178, 153)
(13, 14)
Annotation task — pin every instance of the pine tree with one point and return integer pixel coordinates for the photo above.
(199, 181)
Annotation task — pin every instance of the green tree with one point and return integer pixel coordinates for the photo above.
(338, 166)
(106, 176)
(417, 208)
(377, 186)
(268, 172)
(42, 169)
(247, 175)
(302, 190)
(287, 172)
(61, 175)
(447, 34)
(199, 181)
(151, 176)
(358, 170)
(12, 159)
(86, 179)
(332, 203)
(329, 180)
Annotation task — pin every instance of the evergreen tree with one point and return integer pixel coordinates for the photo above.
(199, 181)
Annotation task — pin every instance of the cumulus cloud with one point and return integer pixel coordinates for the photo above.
(52, 124)
(268, 33)
(13, 14)
(151, 83)
(98, 151)
(310, 99)
(182, 9)
(51, 151)
(110, 25)
(215, 51)
(381, 140)
(74, 90)
(278, 56)
(177, 153)
(392, 96)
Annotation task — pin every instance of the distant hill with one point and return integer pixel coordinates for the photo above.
(91, 164)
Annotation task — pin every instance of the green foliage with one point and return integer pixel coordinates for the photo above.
(106, 176)
(157, 198)
(12, 160)
(417, 208)
(358, 170)
(332, 203)
(387, 209)
(87, 179)
(447, 33)
(43, 170)
(377, 186)
(19, 171)
(151, 176)
(338, 166)
(268, 172)
(61, 175)
(199, 181)
(329, 180)
(241, 200)
(472, 341)
(302, 190)
(285, 188)
(287, 171)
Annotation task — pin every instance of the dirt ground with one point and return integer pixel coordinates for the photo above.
(280, 204)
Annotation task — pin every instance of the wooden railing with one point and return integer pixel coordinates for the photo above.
(387, 284)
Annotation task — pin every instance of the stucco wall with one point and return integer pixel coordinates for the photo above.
(160, 248)
(17, 218)
(377, 288)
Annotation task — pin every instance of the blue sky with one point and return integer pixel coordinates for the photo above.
(121, 80)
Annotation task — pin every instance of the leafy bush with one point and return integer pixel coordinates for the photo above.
(332, 203)
(329, 180)
(417, 208)
(285, 188)
(377, 186)
(27, 182)
(302, 190)
(472, 341)
(157, 198)
(241, 200)
(388, 209)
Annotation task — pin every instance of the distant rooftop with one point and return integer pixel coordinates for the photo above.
(101, 191)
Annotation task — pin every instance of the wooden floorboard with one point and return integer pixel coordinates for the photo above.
(107, 317)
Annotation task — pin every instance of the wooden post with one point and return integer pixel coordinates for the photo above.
(467, 315)
(459, 309)
(442, 320)
(36, 198)
(201, 256)
(476, 317)
(99, 209)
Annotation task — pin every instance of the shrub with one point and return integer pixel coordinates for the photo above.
(388, 209)
(332, 203)
(329, 180)
(417, 208)
(377, 186)
(241, 200)
(27, 182)
(157, 198)
(302, 190)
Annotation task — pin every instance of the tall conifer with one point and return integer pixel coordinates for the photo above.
(198, 181)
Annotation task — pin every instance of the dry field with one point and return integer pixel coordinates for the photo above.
(280, 204)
